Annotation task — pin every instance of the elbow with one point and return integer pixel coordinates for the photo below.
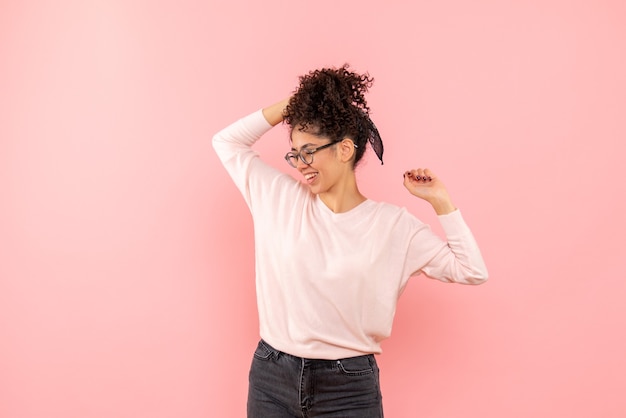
(215, 140)
(476, 280)
(477, 277)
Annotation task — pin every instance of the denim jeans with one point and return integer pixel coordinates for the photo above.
(282, 385)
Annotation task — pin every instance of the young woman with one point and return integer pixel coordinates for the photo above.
(331, 263)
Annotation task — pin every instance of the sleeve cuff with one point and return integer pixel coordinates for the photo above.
(453, 223)
(257, 122)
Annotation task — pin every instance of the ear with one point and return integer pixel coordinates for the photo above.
(347, 149)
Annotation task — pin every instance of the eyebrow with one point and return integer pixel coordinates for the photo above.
(304, 146)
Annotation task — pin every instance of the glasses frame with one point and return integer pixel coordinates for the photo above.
(308, 151)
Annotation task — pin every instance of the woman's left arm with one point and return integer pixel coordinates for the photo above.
(458, 259)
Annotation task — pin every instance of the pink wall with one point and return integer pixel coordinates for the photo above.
(126, 255)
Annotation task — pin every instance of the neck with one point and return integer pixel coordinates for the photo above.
(343, 196)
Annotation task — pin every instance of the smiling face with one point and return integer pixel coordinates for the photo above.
(326, 170)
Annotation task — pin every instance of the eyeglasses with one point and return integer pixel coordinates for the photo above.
(305, 155)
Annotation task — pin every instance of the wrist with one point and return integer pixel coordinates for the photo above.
(274, 113)
(443, 206)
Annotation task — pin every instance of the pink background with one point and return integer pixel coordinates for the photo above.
(126, 253)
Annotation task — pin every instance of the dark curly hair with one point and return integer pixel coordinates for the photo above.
(330, 103)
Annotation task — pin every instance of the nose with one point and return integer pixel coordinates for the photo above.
(301, 164)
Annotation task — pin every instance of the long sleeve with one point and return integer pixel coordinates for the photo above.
(233, 146)
(458, 259)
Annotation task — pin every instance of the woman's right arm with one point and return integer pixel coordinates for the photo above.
(233, 146)
(240, 135)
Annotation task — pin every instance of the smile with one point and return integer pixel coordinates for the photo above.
(309, 177)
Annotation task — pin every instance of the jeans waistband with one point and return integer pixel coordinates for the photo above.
(277, 353)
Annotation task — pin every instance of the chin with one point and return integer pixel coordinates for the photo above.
(315, 189)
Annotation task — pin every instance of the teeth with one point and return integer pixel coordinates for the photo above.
(309, 176)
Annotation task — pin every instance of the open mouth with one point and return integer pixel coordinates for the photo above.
(310, 177)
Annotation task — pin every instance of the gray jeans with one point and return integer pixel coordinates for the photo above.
(282, 385)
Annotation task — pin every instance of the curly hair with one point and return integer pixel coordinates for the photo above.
(330, 103)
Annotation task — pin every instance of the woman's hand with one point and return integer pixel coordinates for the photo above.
(274, 113)
(424, 184)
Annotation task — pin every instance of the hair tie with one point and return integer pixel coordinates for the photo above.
(374, 139)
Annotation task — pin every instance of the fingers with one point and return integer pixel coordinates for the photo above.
(420, 175)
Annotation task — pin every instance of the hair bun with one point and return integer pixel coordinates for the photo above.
(330, 102)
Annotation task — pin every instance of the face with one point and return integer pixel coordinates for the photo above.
(326, 169)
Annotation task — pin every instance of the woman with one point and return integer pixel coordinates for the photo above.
(331, 263)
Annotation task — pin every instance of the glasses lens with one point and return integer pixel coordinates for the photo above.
(307, 155)
(292, 159)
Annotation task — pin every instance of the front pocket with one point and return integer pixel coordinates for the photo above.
(355, 366)
(262, 352)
